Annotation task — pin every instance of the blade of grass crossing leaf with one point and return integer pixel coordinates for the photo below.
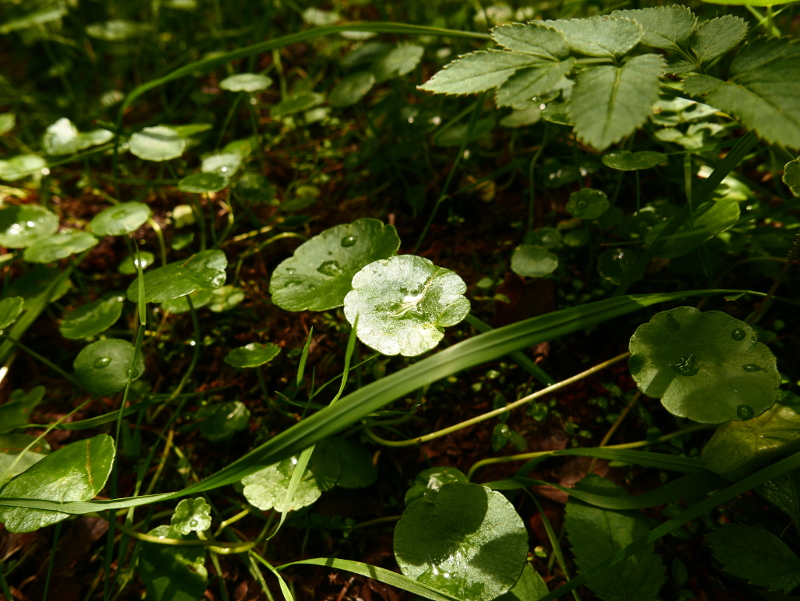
(142, 301)
(287, 594)
(769, 473)
(301, 368)
(3, 584)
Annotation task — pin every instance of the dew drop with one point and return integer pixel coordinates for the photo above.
(349, 241)
(745, 412)
(193, 523)
(686, 366)
(102, 362)
(290, 270)
(738, 334)
(330, 268)
(119, 214)
(127, 373)
(672, 323)
(752, 367)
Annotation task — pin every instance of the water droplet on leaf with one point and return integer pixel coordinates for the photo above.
(745, 412)
(686, 366)
(751, 367)
(738, 334)
(349, 241)
(102, 362)
(330, 268)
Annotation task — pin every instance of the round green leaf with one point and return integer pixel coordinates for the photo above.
(202, 183)
(225, 298)
(295, 103)
(191, 515)
(708, 366)
(76, 472)
(433, 479)
(222, 420)
(529, 587)
(357, 470)
(92, 318)
(20, 166)
(791, 176)
(17, 410)
(121, 219)
(224, 164)
(625, 160)
(62, 137)
(351, 89)
(200, 298)
(102, 367)
(614, 265)
(266, 489)
(587, 203)
(129, 266)
(245, 82)
(318, 276)
(159, 143)
(533, 261)
(117, 30)
(252, 355)
(10, 308)
(547, 237)
(203, 271)
(401, 305)
(463, 539)
(59, 246)
(22, 225)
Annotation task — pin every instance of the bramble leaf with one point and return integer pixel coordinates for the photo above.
(791, 176)
(609, 102)
(667, 27)
(601, 36)
(521, 87)
(478, 71)
(714, 38)
(708, 366)
(534, 38)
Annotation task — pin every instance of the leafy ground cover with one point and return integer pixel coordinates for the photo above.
(441, 300)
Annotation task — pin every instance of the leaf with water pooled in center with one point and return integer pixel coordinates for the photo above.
(92, 318)
(791, 176)
(462, 539)
(23, 225)
(121, 219)
(252, 355)
(625, 160)
(401, 305)
(319, 274)
(17, 410)
(601, 36)
(739, 448)
(533, 261)
(667, 27)
(18, 452)
(103, 367)
(708, 220)
(351, 89)
(245, 82)
(202, 183)
(203, 271)
(59, 246)
(191, 515)
(596, 533)
(76, 472)
(587, 203)
(223, 420)
(616, 264)
(158, 143)
(756, 555)
(707, 366)
(10, 309)
(62, 137)
(21, 166)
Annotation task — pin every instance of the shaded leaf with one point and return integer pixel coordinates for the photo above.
(708, 220)
(791, 176)
(521, 87)
(15, 459)
(17, 410)
(117, 30)
(92, 318)
(667, 27)
(172, 573)
(529, 587)
(252, 355)
(714, 38)
(433, 479)
(602, 36)
(351, 89)
(130, 264)
(478, 72)
(10, 309)
(357, 470)
(202, 183)
(102, 368)
(587, 203)
(399, 61)
(223, 420)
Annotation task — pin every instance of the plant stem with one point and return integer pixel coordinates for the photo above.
(615, 426)
(774, 288)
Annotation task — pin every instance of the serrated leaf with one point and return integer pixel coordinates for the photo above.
(103, 367)
(533, 261)
(10, 308)
(756, 555)
(534, 38)
(761, 91)
(478, 72)
(121, 219)
(402, 304)
(707, 366)
(191, 515)
(521, 87)
(76, 472)
(739, 448)
(351, 89)
(203, 271)
(252, 355)
(791, 176)
(399, 61)
(595, 534)
(608, 102)
(667, 27)
(714, 38)
(59, 246)
(92, 318)
(601, 36)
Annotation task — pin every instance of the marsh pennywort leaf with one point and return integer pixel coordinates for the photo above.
(76, 472)
(791, 176)
(245, 82)
(355, 463)
(601, 36)
(296, 103)
(191, 515)
(202, 183)
(36, 282)
(739, 448)
(756, 555)
(92, 318)
(59, 246)
(103, 367)
(129, 266)
(709, 219)
(546, 237)
(222, 420)
(22, 225)
(203, 271)
(62, 137)
(17, 410)
(533, 261)
(462, 539)
(595, 534)
(159, 143)
(433, 479)
(10, 308)
(191, 129)
(199, 298)
(21, 166)
(252, 355)
(117, 30)
(667, 27)
(587, 203)
(319, 274)
(615, 264)
(121, 219)
(401, 305)
(704, 366)
(625, 160)
(225, 298)
(15, 459)
(529, 587)
(172, 573)
(254, 187)
(351, 89)
(399, 61)
(224, 164)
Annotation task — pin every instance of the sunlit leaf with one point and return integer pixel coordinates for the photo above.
(159, 143)
(667, 27)
(92, 318)
(15, 459)
(529, 587)
(534, 38)
(252, 355)
(225, 164)
(602, 36)
(62, 137)
(203, 271)
(525, 84)
(129, 266)
(121, 219)
(7, 122)
(715, 37)
(433, 479)
(23, 225)
(532, 261)
(59, 246)
(478, 72)
(21, 166)
(245, 82)
(191, 515)
(117, 30)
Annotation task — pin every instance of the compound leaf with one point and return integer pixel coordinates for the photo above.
(667, 27)
(478, 72)
(601, 36)
(521, 87)
(536, 39)
(714, 38)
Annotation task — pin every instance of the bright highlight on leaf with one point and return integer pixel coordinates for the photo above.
(252, 355)
(23, 225)
(121, 219)
(402, 305)
(104, 367)
(246, 82)
(159, 143)
(203, 271)
(59, 246)
(92, 318)
(624, 160)
(62, 137)
(587, 203)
